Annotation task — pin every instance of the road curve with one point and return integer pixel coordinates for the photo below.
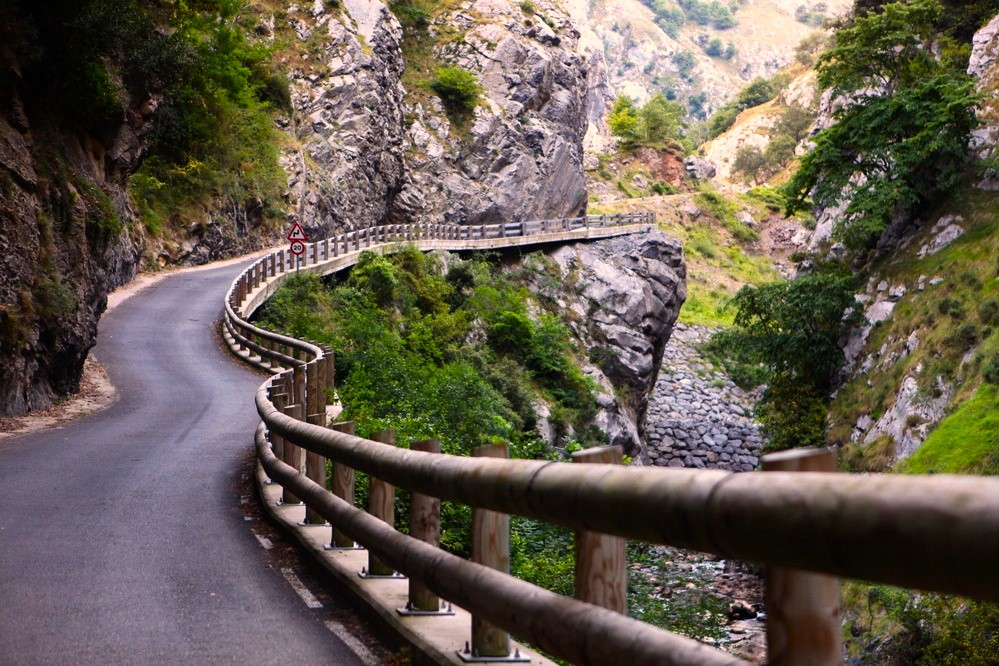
(121, 540)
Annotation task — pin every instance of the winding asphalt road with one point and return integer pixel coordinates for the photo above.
(121, 539)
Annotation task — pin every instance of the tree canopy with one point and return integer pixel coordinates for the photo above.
(901, 136)
(656, 123)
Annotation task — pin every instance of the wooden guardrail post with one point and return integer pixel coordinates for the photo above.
(342, 480)
(298, 381)
(292, 456)
(315, 464)
(803, 608)
(601, 560)
(381, 505)
(280, 400)
(425, 525)
(490, 547)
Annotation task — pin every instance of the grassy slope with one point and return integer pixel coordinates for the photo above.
(718, 263)
(954, 339)
(966, 442)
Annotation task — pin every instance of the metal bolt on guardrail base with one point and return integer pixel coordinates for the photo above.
(471, 656)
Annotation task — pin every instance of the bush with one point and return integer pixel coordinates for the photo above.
(988, 313)
(458, 89)
(910, 111)
(991, 370)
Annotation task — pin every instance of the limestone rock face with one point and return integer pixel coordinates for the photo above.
(984, 64)
(522, 156)
(370, 155)
(626, 298)
(65, 242)
(348, 117)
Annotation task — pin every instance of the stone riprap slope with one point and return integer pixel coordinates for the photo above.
(697, 417)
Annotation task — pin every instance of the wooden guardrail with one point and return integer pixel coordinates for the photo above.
(933, 533)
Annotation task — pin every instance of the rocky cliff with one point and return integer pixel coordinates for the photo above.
(930, 304)
(370, 151)
(65, 237)
(643, 55)
(623, 298)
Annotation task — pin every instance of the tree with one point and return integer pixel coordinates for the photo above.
(902, 137)
(778, 153)
(749, 162)
(623, 119)
(660, 120)
(656, 123)
(794, 122)
(794, 329)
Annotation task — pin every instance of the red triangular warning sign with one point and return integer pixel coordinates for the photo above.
(297, 233)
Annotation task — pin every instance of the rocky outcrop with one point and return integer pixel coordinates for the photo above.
(348, 116)
(625, 297)
(370, 154)
(522, 157)
(982, 65)
(65, 240)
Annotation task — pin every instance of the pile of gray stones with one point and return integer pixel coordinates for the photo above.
(697, 416)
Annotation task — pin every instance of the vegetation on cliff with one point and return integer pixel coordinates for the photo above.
(900, 139)
(213, 143)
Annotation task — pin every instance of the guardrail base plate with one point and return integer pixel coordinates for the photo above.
(513, 658)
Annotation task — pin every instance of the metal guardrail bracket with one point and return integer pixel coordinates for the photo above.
(445, 609)
(305, 523)
(395, 575)
(470, 657)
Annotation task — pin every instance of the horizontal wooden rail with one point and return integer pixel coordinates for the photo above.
(936, 533)
(577, 631)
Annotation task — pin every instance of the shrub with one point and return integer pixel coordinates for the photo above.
(988, 313)
(950, 306)
(458, 89)
(991, 370)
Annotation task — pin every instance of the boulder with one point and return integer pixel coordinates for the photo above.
(629, 291)
(699, 168)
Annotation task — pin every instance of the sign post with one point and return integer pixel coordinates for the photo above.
(298, 239)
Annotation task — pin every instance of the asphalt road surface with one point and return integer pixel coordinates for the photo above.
(121, 540)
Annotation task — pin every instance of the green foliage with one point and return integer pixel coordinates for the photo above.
(749, 163)
(758, 91)
(903, 138)
(458, 89)
(685, 62)
(722, 209)
(794, 329)
(85, 59)
(658, 123)
(897, 626)
(400, 328)
(214, 143)
(688, 608)
(966, 441)
(669, 16)
(814, 16)
(809, 48)
(794, 122)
